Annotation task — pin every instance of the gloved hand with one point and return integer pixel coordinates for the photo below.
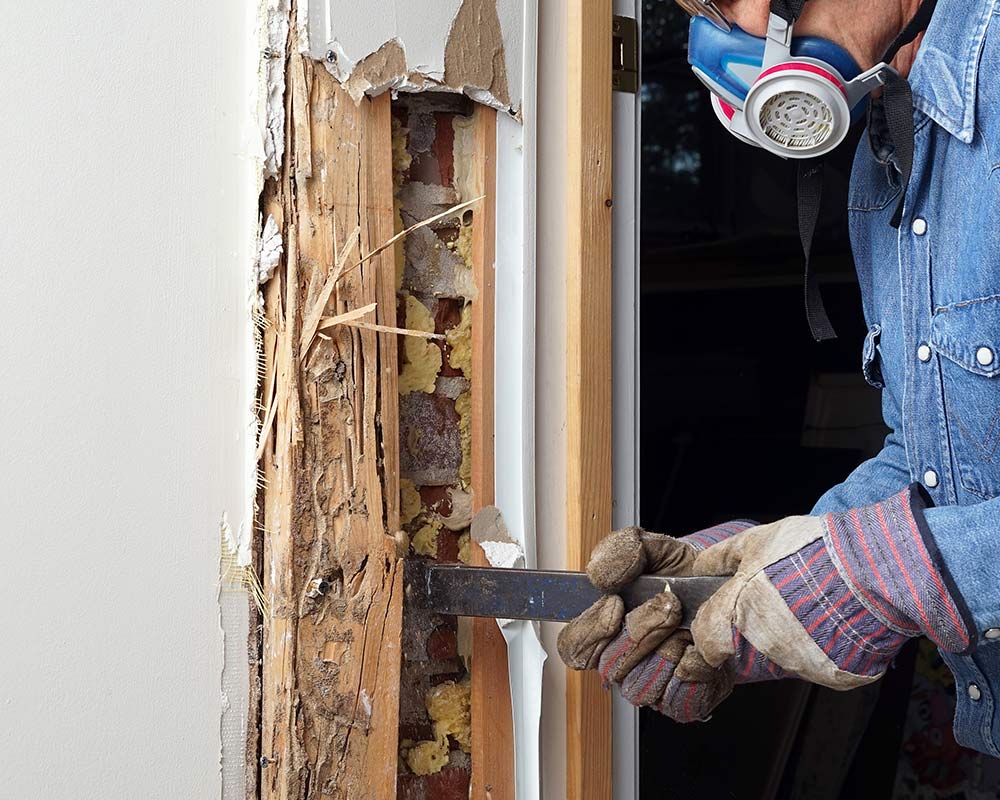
(652, 662)
(828, 599)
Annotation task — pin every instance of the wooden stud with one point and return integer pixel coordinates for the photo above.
(331, 647)
(588, 368)
(492, 716)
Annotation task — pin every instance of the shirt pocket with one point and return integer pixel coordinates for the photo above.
(871, 359)
(967, 335)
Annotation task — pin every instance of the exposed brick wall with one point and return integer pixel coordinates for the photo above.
(434, 270)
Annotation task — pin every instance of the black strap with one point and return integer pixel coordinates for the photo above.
(788, 10)
(913, 29)
(897, 103)
(810, 191)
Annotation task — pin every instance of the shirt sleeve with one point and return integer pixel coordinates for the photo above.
(874, 480)
(968, 541)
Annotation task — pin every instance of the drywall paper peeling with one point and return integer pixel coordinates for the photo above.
(468, 46)
(271, 248)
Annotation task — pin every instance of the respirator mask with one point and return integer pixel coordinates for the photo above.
(797, 97)
(794, 96)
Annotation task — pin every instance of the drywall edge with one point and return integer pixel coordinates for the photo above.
(468, 46)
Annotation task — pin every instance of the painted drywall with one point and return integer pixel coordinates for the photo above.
(127, 235)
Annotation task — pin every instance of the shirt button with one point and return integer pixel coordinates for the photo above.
(974, 692)
(924, 353)
(992, 633)
(984, 356)
(920, 226)
(930, 479)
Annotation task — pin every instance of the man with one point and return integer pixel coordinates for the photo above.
(909, 544)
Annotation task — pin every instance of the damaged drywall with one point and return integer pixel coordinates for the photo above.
(469, 46)
(272, 80)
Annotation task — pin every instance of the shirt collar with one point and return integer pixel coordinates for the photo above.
(946, 68)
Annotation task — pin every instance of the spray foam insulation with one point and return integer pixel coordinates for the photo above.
(421, 358)
(449, 707)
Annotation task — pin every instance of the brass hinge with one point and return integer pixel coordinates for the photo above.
(624, 55)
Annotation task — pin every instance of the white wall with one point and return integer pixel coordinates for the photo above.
(124, 205)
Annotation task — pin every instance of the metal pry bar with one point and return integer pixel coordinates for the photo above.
(550, 595)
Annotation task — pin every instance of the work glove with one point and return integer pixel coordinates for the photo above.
(652, 662)
(827, 599)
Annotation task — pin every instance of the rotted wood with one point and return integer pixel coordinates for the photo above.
(331, 646)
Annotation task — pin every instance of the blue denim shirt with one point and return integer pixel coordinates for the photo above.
(931, 293)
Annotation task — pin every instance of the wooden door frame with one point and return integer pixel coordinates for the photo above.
(588, 362)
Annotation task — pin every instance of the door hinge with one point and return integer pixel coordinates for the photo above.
(624, 55)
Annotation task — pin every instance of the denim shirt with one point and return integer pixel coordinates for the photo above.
(931, 294)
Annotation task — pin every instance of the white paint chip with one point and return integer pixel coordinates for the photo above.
(503, 554)
(269, 253)
(273, 76)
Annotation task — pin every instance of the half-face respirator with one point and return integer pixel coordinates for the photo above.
(797, 96)
(794, 96)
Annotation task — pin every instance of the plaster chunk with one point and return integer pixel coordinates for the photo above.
(432, 268)
(420, 201)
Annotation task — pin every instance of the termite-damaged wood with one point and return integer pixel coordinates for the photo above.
(330, 657)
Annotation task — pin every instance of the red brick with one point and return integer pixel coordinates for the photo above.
(448, 784)
(444, 147)
(442, 644)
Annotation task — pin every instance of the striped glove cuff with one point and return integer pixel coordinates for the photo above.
(888, 557)
(701, 540)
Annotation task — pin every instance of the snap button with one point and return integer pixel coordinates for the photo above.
(930, 479)
(974, 692)
(924, 353)
(984, 356)
(920, 226)
(992, 633)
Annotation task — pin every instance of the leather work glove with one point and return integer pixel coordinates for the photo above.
(827, 599)
(653, 663)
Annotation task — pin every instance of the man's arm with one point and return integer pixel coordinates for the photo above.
(968, 541)
(875, 479)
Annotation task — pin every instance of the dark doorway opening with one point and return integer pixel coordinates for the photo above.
(745, 416)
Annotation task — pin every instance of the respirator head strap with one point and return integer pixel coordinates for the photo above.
(788, 10)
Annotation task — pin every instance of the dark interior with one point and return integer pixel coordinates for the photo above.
(745, 416)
